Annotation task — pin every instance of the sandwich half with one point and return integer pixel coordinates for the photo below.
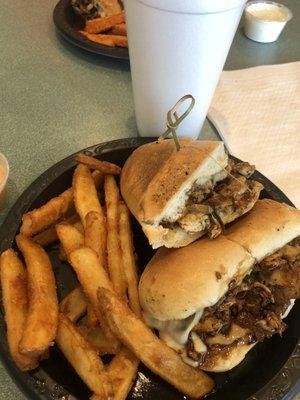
(213, 301)
(178, 196)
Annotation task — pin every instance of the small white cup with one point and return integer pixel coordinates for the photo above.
(3, 177)
(265, 20)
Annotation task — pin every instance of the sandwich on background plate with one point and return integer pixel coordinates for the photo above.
(178, 196)
(91, 9)
(214, 300)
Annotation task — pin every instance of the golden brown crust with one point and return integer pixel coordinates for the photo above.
(268, 227)
(178, 282)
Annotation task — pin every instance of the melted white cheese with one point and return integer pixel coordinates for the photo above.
(199, 346)
(175, 332)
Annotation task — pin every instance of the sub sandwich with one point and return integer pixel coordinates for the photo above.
(213, 301)
(178, 196)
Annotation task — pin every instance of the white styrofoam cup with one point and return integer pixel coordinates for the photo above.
(177, 47)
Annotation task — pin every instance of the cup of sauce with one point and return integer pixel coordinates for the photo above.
(265, 20)
(4, 171)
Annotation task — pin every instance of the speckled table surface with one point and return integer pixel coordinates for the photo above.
(57, 99)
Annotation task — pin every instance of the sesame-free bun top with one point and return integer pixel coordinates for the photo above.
(268, 227)
(179, 282)
(156, 178)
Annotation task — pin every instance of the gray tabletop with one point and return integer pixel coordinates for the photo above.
(57, 99)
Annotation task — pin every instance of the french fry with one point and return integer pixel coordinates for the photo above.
(74, 305)
(90, 272)
(122, 372)
(49, 236)
(96, 339)
(107, 40)
(155, 354)
(103, 24)
(119, 29)
(41, 218)
(119, 40)
(46, 237)
(15, 304)
(87, 202)
(71, 239)
(114, 256)
(105, 167)
(69, 236)
(83, 358)
(91, 317)
(85, 193)
(123, 368)
(101, 39)
(129, 264)
(95, 235)
(62, 255)
(42, 319)
(92, 275)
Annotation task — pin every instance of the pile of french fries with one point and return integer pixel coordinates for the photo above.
(102, 315)
(109, 31)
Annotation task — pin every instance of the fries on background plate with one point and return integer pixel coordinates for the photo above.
(105, 25)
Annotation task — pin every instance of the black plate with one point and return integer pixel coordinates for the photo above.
(260, 376)
(68, 24)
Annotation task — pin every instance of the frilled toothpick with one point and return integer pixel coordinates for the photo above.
(173, 120)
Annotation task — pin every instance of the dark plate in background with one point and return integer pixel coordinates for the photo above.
(68, 24)
(261, 376)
